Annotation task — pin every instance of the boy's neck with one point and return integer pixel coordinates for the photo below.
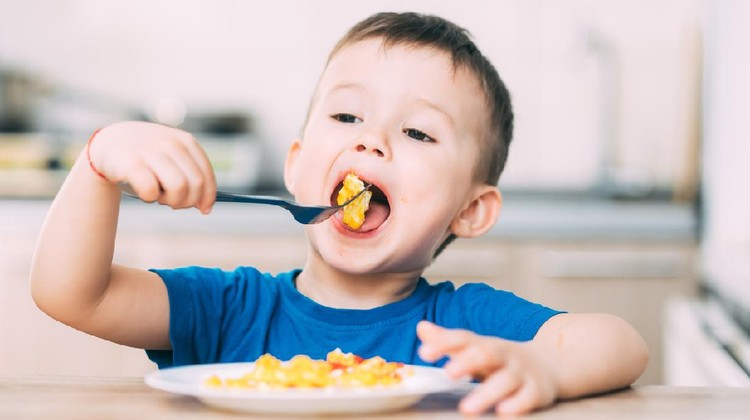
(335, 289)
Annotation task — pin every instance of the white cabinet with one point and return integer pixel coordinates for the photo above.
(33, 343)
(630, 279)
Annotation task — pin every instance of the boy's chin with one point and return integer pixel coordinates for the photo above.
(370, 263)
(352, 261)
(354, 265)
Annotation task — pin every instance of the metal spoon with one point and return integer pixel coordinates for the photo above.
(303, 214)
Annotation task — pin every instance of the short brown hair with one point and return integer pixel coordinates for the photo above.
(436, 32)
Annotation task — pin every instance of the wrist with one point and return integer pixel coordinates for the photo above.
(93, 167)
(547, 359)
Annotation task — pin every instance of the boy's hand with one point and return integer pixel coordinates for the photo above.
(161, 163)
(514, 378)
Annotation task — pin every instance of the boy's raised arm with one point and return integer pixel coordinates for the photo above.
(72, 276)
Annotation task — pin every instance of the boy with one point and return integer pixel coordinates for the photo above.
(410, 105)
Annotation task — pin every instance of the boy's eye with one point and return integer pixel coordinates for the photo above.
(346, 118)
(418, 135)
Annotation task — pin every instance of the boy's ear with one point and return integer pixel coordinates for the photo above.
(480, 214)
(290, 165)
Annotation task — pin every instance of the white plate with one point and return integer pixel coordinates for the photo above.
(188, 380)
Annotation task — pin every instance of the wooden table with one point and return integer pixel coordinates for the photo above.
(43, 397)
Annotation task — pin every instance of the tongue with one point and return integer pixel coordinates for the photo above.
(375, 216)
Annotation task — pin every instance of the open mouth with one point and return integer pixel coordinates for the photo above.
(376, 214)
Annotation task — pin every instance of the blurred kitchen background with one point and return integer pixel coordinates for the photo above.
(626, 189)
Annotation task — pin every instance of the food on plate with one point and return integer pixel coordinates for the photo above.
(339, 370)
(354, 212)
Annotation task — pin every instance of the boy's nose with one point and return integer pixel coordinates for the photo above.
(373, 142)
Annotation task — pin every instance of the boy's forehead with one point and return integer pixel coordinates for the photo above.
(375, 47)
(425, 65)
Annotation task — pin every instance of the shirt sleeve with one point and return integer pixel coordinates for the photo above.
(197, 298)
(488, 311)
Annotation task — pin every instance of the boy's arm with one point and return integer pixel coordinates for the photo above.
(72, 276)
(590, 353)
(571, 355)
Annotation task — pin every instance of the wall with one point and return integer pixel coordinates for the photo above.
(726, 246)
(603, 91)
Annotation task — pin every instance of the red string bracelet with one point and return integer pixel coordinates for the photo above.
(88, 155)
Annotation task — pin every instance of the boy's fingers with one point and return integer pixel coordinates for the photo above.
(476, 360)
(500, 385)
(208, 195)
(447, 340)
(426, 330)
(145, 184)
(427, 333)
(438, 341)
(429, 353)
(192, 177)
(171, 179)
(524, 400)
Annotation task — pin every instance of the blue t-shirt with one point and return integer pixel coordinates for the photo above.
(221, 316)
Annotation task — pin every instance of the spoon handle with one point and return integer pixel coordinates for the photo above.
(259, 199)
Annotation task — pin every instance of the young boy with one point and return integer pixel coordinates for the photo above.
(410, 105)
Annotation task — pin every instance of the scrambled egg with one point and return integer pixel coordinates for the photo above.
(344, 370)
(354, 212)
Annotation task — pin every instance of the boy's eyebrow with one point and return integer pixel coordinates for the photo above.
(341, 86)
(437, 108)
(347, 86)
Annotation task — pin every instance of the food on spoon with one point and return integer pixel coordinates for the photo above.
(339, 370)
(354, 212)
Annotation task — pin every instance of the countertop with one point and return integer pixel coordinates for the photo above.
(69, 397)
(522, 217)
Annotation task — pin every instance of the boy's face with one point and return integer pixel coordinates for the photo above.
(403, 119)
